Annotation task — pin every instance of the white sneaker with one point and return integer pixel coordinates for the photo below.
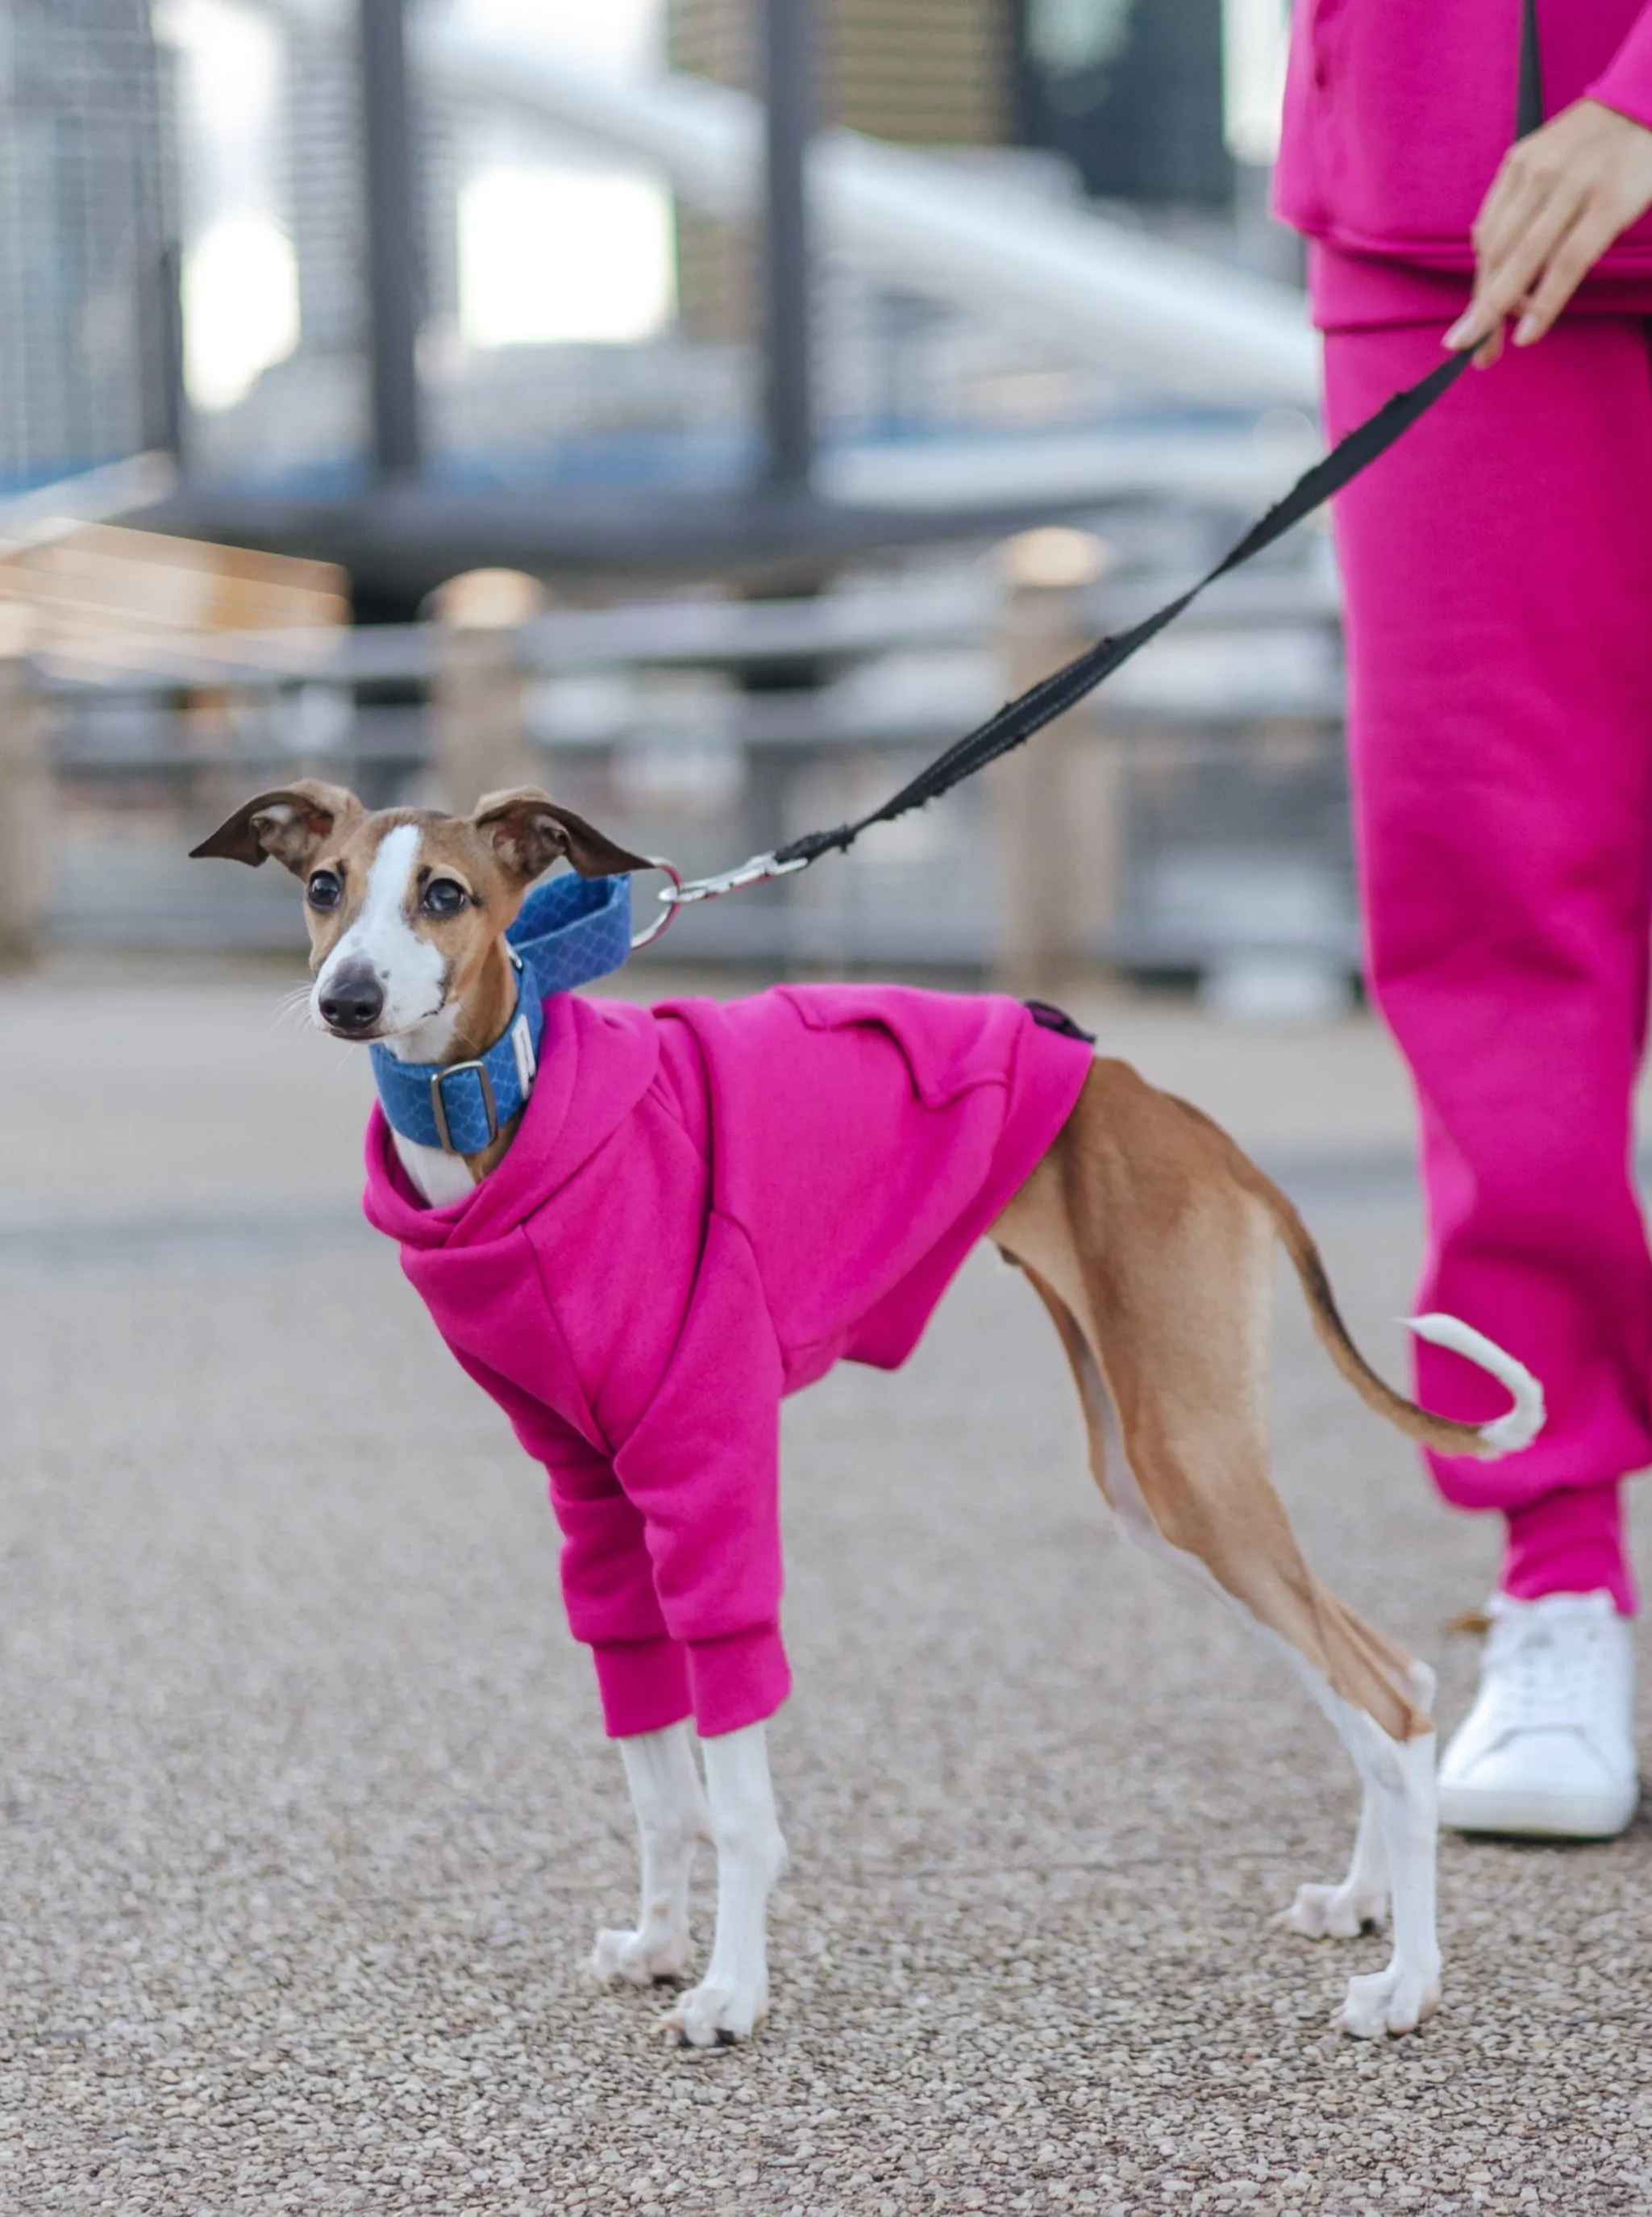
(1548, 1746)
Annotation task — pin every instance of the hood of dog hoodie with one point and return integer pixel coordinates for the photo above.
(705, 1206)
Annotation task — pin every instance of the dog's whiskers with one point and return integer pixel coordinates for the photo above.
(292, 1007)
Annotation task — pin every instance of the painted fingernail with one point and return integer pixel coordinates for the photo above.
(1461, 331)
(1525, 330)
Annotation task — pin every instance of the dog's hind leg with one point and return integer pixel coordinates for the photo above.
(733, 1997)
(671, 1820)
(1344, 1911)
(1339, 1912)
(1158, 1268)
(1398, 1776)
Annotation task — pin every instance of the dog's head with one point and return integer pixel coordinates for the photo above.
(404, 905)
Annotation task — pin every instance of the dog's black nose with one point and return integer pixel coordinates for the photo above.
(354, 1002)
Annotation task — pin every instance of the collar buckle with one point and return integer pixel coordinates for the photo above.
(439, 1106)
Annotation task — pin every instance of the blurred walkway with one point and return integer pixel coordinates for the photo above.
(306, 1819)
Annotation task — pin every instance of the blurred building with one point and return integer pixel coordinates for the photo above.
(919, 72)
(88, 284)
(1052, 97)
(306, 415)
(922, 72)
(323, 183)
(1131, 93)
(1127, 93)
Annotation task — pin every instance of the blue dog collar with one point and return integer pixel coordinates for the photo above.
(569, 930)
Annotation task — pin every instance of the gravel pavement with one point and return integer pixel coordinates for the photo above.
(306, 1821)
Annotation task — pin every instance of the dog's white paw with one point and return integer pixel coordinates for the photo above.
(640, 1958)
(1333, 1912)
(716, 2016)
(1394, 2000)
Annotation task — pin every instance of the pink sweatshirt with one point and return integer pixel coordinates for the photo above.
(704, 1208)
(1396, 115)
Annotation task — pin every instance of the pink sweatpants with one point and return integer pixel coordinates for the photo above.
(1498, 566)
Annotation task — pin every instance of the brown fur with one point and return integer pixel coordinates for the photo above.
(1148, 1238)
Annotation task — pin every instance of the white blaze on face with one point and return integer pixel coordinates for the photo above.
(382, 940)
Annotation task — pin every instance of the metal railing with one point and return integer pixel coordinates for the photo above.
(1194, 806)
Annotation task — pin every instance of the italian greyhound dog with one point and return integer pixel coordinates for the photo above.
(1144, 1230)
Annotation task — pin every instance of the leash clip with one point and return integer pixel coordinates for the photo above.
(752, 873)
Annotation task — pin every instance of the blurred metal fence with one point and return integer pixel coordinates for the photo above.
(1194, 814)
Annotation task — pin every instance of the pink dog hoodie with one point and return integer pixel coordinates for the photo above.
(706, 1206)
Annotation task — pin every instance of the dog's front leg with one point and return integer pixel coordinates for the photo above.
(750, 1856)
(671, 1817)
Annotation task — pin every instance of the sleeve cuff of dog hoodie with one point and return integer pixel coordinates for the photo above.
(737, 1680)
(724, 1685)
(644, 1685)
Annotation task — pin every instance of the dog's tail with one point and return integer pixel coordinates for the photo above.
(1516, 1428)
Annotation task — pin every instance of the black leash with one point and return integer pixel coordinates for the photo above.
(1052, 696)
(1014, 723)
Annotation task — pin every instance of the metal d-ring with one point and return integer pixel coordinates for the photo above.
(668, 912)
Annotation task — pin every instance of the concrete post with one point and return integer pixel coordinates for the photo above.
(479, 737)
(1054, 800)
(26, 797)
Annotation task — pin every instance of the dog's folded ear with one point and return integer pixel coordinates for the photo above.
(528, 832)
(290, 824)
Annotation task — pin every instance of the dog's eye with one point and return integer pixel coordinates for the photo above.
(442, 897)
(324, 890)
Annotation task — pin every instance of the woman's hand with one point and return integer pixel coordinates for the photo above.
(1560, 199)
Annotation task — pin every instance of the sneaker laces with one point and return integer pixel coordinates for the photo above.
(1552, 1670)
